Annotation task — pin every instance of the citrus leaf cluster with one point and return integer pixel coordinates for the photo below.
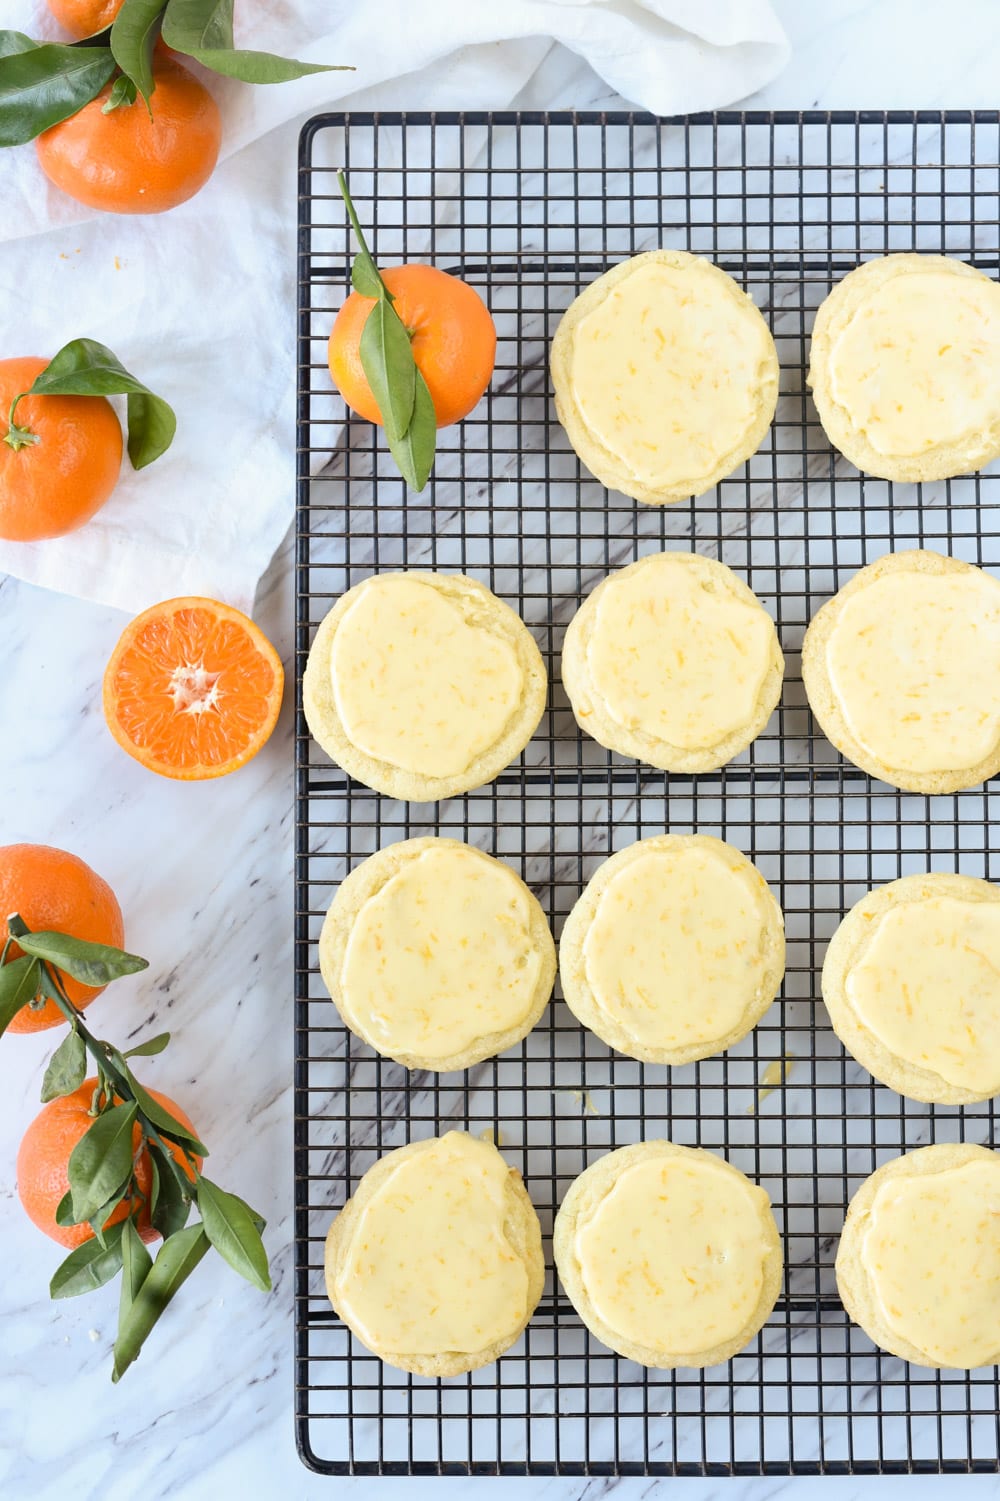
(128, 1124)
(43, 83)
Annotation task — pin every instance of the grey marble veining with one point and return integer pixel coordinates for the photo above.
(204, 875)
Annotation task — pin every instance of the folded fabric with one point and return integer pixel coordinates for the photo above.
(199, 303)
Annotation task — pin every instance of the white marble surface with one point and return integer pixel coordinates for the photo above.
(204, 875)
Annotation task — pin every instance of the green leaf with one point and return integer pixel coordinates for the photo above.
(203, 29)
(388, 363)
(101, 1161)
(208, 23)
(177, 1260)
(414, 451)
(151, 428)
(39, 86)
(12, 43)
(158, 1114)
(229, 1225)
(67, 1068)
(133, 37)
(99, 1221)
(90, 963)
(18, 987)
(365, 277)
(136, 1267)
(89, 1266)
(123, 93)
(150, 1047)
(64, 1209)
(170, 1206)
(86, 368)
(165, 1122)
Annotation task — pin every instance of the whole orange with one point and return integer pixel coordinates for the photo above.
(52, 486)
(83, 17)
(130, 163)
(55, 891)
(43, 1163)
(452, 334)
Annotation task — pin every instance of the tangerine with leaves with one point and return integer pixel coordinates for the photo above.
(193, 689)
(54, 891)
(109, 1164)
(61, 461)
(134, 159)
(61, 442)
(43, 1161)
(452, 337)
(84, 17)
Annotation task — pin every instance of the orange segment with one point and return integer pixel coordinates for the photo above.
(193, 689)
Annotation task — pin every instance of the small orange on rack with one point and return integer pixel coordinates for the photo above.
(193, 689)
(452, 336)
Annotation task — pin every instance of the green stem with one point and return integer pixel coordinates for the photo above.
(352, 214)
(18, 437)
(113, 1081)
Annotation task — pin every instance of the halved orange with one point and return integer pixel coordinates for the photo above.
(193, 689)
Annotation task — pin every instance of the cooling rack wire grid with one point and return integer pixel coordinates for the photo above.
(531, 208)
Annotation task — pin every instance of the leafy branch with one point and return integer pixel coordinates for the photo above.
(129, 1126)
(42, 83)
(399, 388)
(85, 368)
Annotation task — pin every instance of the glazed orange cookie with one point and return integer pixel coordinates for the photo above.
(436, 954)
(912, 984)
(674, 950)
(665, 376)
(423, 685)
(674, 661)
(902, 671)
(436, 1261)
(669, 1254)
(919, 1260)
(905, 367)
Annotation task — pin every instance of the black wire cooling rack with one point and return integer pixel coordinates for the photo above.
(530, 209)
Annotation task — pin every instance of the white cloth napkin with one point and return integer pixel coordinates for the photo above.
(199, 303)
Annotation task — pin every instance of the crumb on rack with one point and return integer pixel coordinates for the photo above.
(773, 1077)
